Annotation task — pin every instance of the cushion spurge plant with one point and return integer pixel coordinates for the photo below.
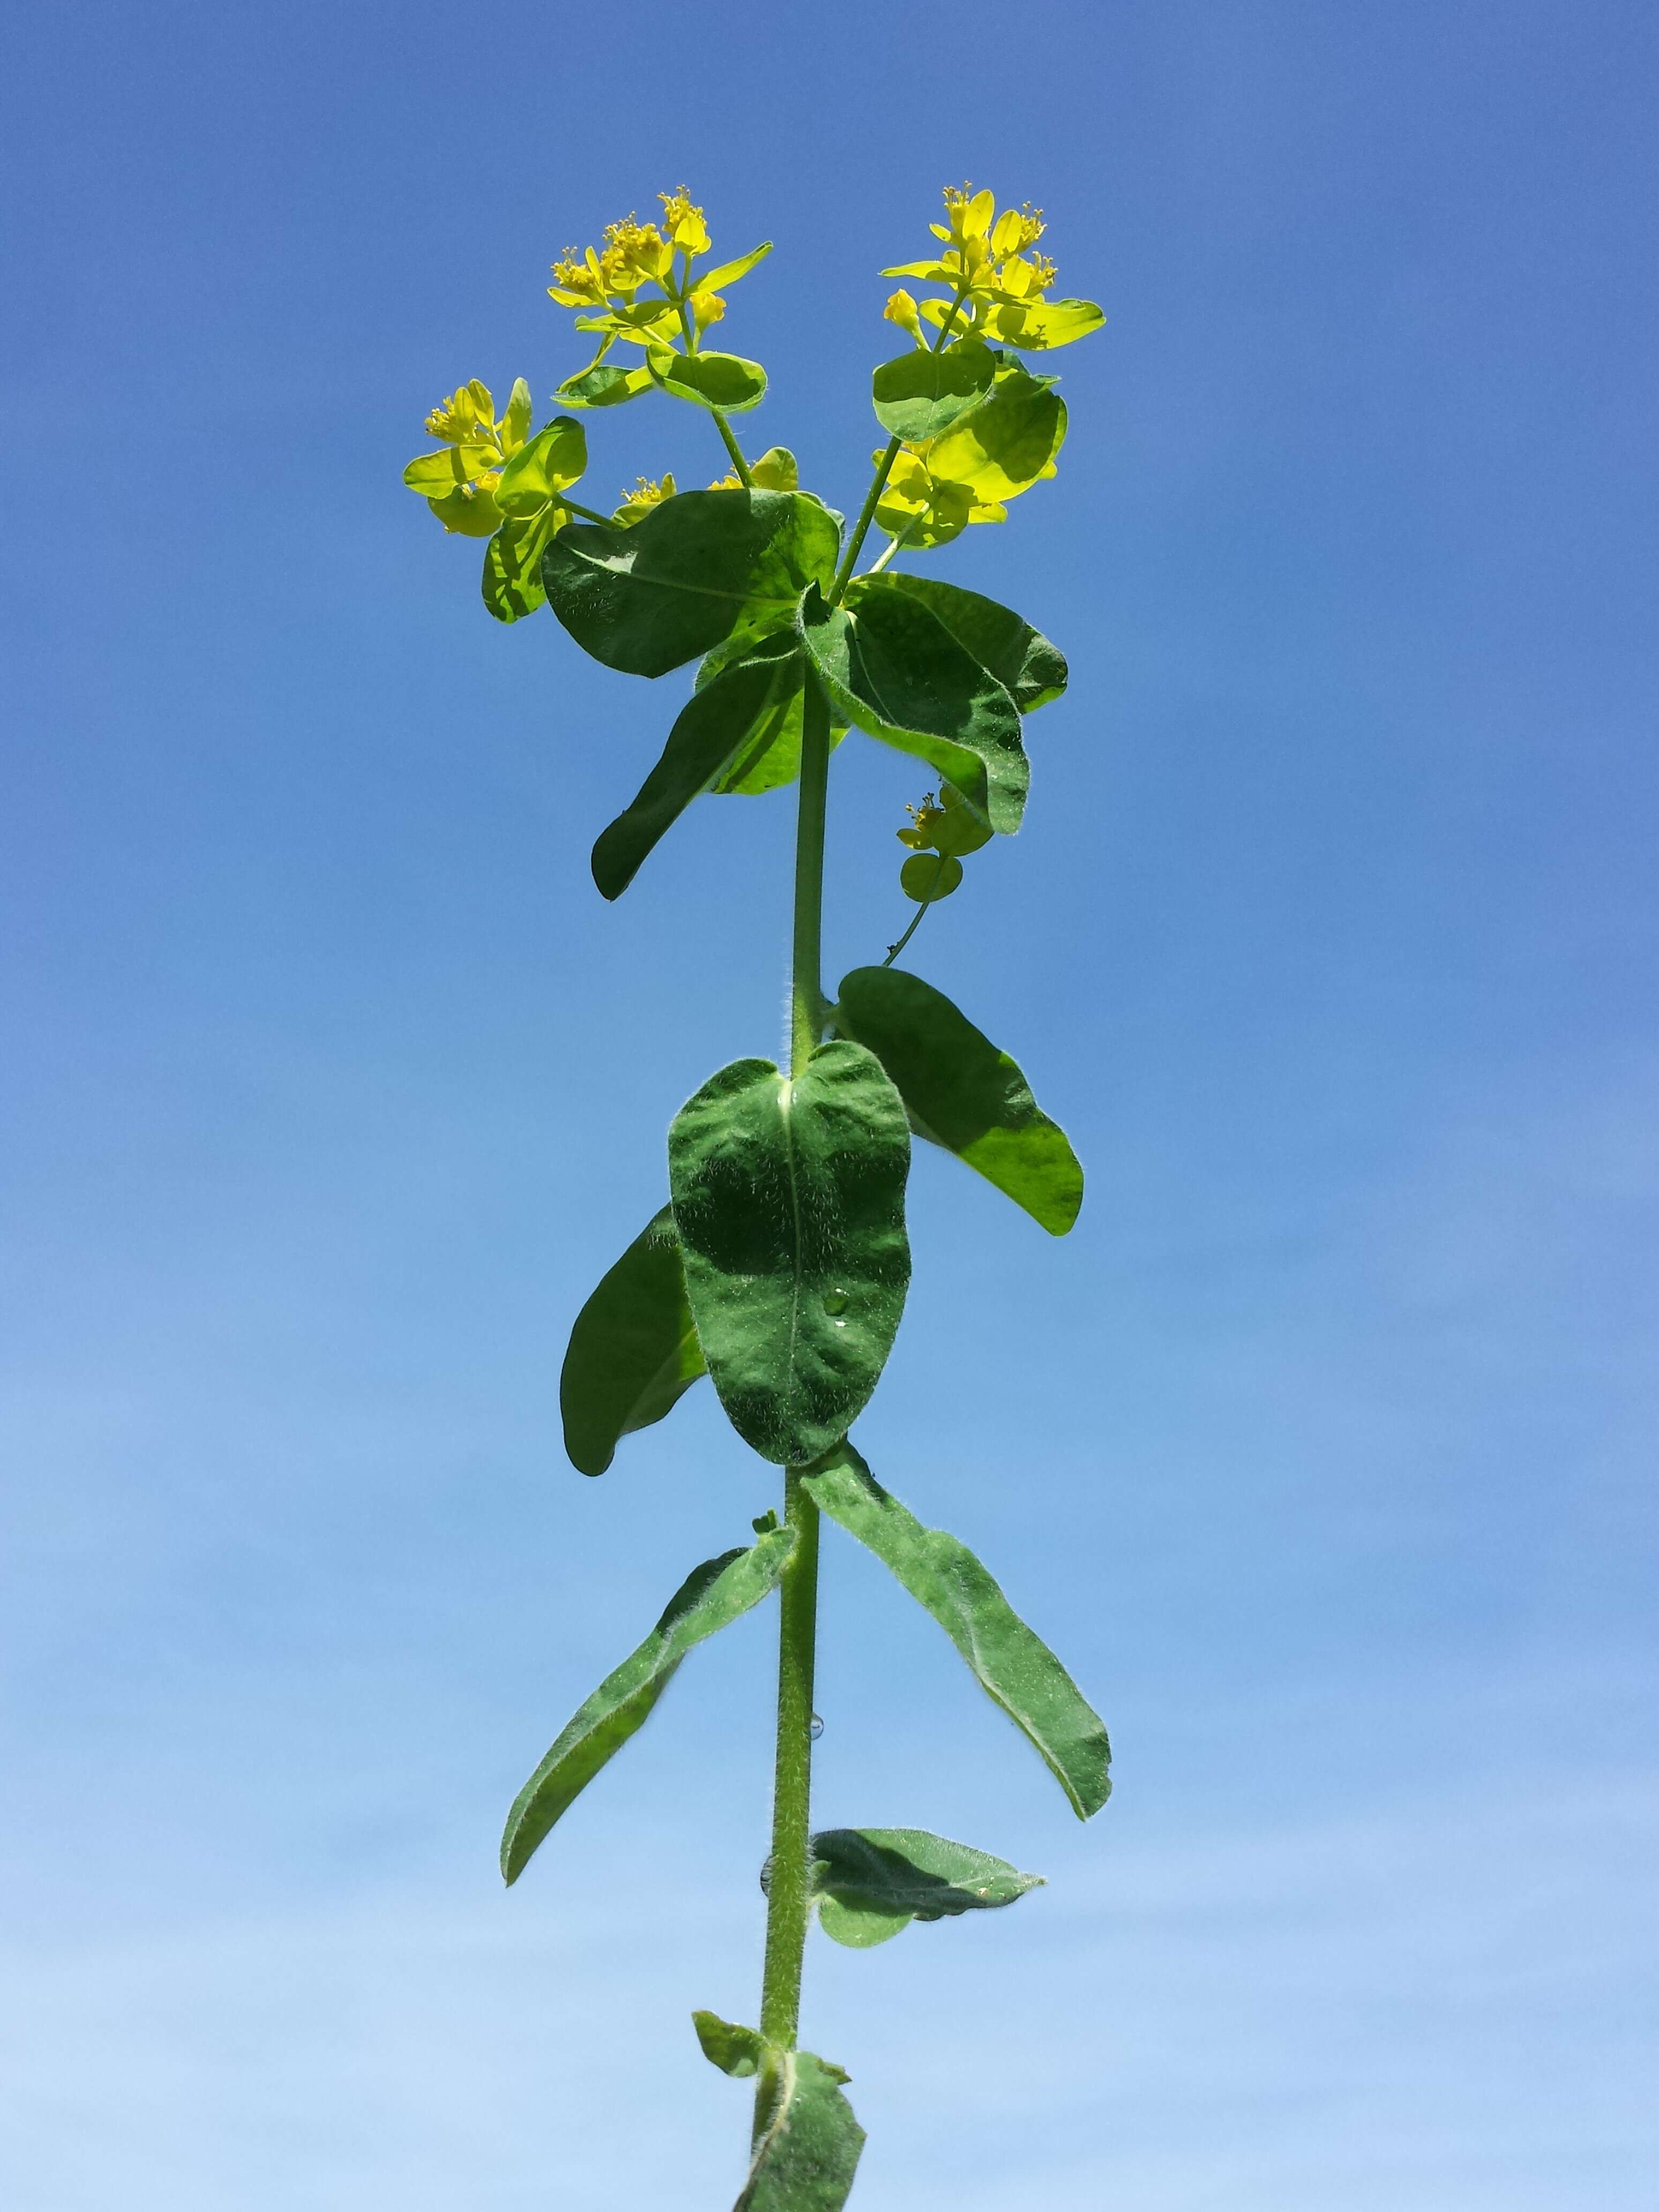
(778, 1265)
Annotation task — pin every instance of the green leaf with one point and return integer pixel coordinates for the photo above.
(737, 714)
(922, 394)
(553, 458)
(966, 1094)
(633, 1351)
(1031, 670)
(736, 2051)
(724, 380)
(776, 471)
(872, 1883)
(770, 756)
(469, 511)
(891, 666)
(1008, 443)
(711, 1597)
(789, 1199)
(607, 386)
(693, 571)
(806, 2140)
(512, 581)
(1046, 323)
(1013, 1666)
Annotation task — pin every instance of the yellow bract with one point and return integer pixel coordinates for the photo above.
(900, 308)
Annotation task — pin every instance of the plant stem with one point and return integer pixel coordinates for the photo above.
(806, 1002)
(867, 515)
(789, 1895)
(894, 951)
(789, 1892)
(734, 448)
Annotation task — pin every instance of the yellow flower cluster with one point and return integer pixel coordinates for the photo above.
(941, 831)
(460, 483)
(608, 284)
(646, 493)
(986, 264)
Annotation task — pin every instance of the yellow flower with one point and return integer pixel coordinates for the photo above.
(635, 254)
(645, 495)
(706, 307)
(686, 229)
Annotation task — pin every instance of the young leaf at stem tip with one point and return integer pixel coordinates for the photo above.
(633, 1350)
(1013, 1665)
(789, 1200)
(965, 1093)
(711, 1597)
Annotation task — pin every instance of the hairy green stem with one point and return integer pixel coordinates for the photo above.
(734, 448)
(789, 1888)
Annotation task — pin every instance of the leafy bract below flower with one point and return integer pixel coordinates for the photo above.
(645, 495)
(643, 288)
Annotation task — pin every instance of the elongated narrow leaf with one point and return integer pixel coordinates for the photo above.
(724, 380)
(891, 666)
(512, 583)
(789, 1200)
(633, 1351)
(736, 2051)
(962, 1092)
(807, 2141)
(1031, 670)
(699, 566)
(1013, 1665)
(711, 280)
(872, 1883)
(923, 393)
(1004, 446)
(711, 1597)
(717, 725)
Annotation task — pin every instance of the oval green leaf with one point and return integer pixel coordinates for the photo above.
(710, 1598)
(633, 1351)
(724, 381)
(736, 2051)
(806, 2140)
(609, 385)
(646, 598)
(1031, 670)
(512, 581)
(965, 1093)
(890, 665)
(770, 757)
(872, 1883)
(554, 459)
(922, 392)
(789, 1200)
(927, 877)
(737, 714)
(1013, 1665)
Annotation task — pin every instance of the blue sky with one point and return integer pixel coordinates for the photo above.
(1322, 1449)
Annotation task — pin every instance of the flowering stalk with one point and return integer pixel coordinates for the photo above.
(779, 1264)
